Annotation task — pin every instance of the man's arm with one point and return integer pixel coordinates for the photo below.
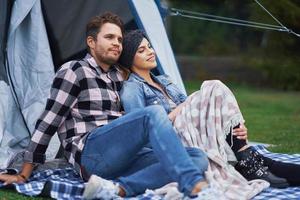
(63, 95)
(19, 178)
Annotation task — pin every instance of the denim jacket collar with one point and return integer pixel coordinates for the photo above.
(148, 95)
(136, 77)
(162, 79)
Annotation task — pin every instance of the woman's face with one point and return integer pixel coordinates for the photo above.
(144, 58)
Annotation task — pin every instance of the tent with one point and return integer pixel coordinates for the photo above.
(37, 36)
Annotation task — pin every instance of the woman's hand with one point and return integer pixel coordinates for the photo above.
(9, 179)
(241, 132)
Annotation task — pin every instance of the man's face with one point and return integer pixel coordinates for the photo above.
(106, 49)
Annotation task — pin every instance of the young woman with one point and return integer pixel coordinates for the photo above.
(209, 119)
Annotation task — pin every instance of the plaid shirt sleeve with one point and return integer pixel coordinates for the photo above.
(63, 95)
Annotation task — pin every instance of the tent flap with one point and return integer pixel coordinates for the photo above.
(30, 65)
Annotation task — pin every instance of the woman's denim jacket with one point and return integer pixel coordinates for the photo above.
(137, 93)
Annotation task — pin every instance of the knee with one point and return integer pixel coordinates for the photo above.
(214, 82)
(210, 85)
(216, 85)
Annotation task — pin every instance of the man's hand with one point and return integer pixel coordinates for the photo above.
(9, 179)
(18, 178)
(173, 114)
(241, 132)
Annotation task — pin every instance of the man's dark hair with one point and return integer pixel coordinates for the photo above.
(94, 25)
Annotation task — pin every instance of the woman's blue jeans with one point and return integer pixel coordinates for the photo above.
(120, 151)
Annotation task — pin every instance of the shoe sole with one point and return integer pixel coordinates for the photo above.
(279, 185)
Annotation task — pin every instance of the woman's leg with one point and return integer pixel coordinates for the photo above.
(208, 117)
(252, 165)
(109, 150)
(289, 171)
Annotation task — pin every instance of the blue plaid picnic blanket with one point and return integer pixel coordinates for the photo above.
(67, 184)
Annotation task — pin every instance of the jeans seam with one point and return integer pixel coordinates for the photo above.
(188, 188)
(127, 189)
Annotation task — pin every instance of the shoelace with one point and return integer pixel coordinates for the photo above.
(254, 164)
(262, 171)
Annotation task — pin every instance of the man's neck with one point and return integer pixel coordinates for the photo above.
(104, 66)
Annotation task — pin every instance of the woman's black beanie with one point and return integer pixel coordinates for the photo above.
(131, 42)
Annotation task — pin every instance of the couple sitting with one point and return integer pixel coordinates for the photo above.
(143, 149)
(209, 119)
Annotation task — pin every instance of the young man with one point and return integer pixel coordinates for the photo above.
(138, 151)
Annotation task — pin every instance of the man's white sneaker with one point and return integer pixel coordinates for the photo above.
(100, 188)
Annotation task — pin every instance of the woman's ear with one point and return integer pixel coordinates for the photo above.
(90, 42)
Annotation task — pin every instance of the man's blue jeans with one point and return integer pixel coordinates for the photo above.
(118, 151)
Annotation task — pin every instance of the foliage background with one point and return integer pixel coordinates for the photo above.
(272, 56)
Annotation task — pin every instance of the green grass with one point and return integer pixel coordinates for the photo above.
(12, 195)
(272, 117)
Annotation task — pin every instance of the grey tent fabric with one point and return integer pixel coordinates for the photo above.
(29, 59)
(31, 72)
(13, 133)
(14, 136)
